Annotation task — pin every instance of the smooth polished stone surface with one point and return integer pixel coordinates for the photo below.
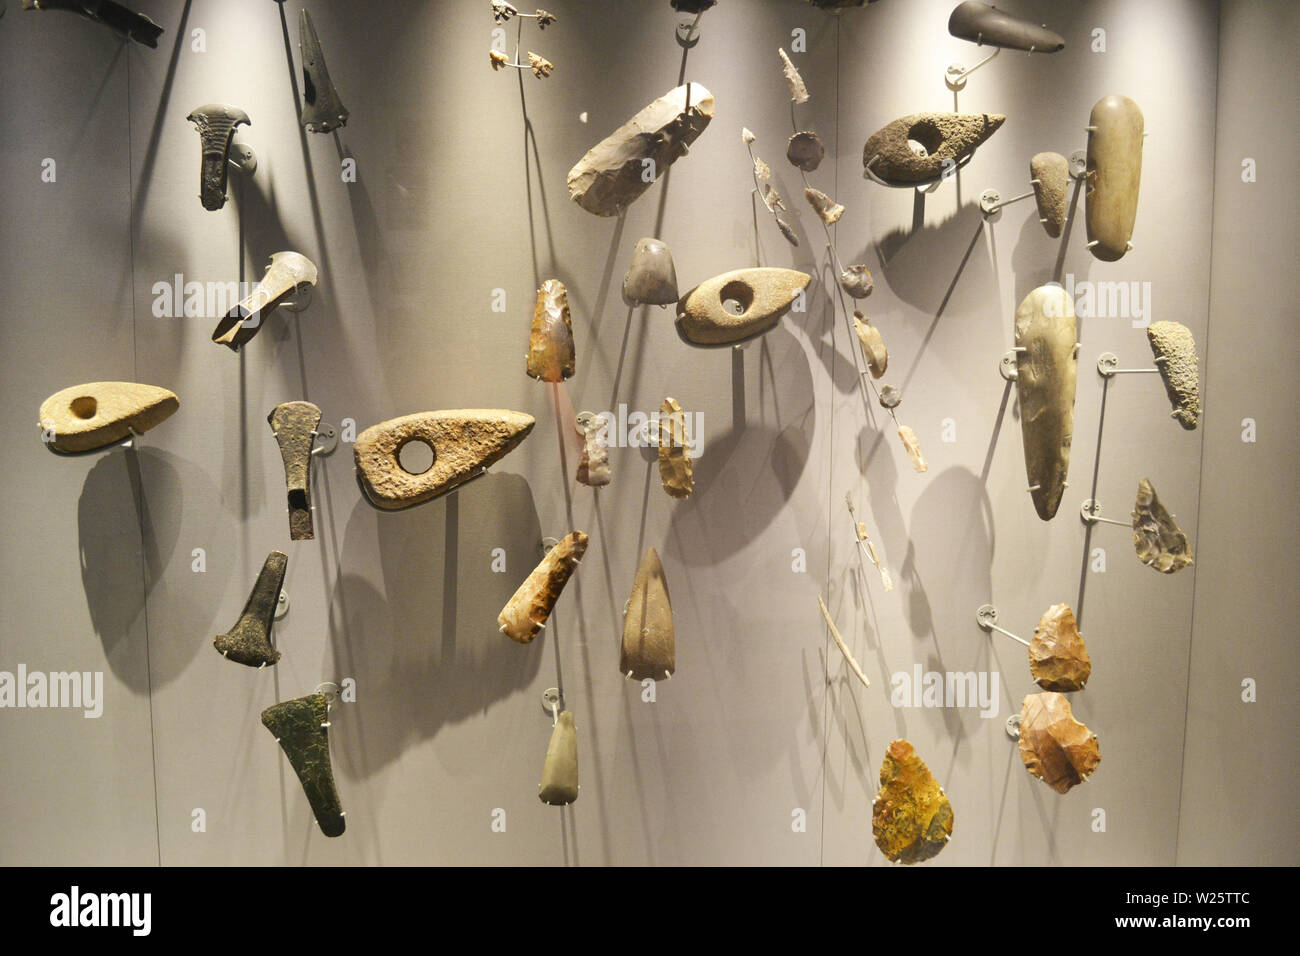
(1114, 175)
(559, 784)
(1047, 372)
(986, 25)
(649, 648)
(651, 277)
(1050, 174)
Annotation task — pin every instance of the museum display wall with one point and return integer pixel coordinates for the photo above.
(433, 217)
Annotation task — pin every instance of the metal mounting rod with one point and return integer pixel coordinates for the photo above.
(1108, 365)
(991, 200)
(986, 616)
(1088, 511)
(955, 76)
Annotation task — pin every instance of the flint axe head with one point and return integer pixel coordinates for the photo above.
(216, 124)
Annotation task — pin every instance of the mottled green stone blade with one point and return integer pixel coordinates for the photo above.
(299, 726)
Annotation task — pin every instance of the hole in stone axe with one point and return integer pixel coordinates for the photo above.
(415, 456)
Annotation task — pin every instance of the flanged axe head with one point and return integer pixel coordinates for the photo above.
(216, 123)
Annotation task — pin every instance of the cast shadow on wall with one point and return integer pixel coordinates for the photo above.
(747, 473)
(131, 496)
(422, 637)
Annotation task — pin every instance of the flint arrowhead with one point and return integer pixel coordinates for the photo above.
(826, 207)
(530, 607)
(560, 770)
(90, 416)
(593, 465)
(913, 448)
(1047, 371)
(649, 648)
(1056, 748)
(464, 441)
(651, 277)
(763, 295)
(938, 137)
(550, 344)
(1114, 175)
(911, 818)
(1058, 658)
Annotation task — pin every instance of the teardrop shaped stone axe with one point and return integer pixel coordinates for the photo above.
(301, 727)
(249, 641)
(216, 124)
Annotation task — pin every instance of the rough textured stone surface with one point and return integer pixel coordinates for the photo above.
(90, 416)
(559, 784)
(798, 92)
(550, 343)
(651, 277)
(649, 648)
(675, 470)
(890, 397)
(608, 178)
(911, 818)
(805, 150)
(873, 346)
(528, 610)
(593, 465)
(1058, 658)
(299, 727)
(1050, 173)
(463, 441)
(988, 26)
(913, 448)
(1056, 748)
(1047, 371)
(1159, 542)
(856, 281)
(825, 207)
(294, 426)
(939, 137)
(322, 108)
(216, 124)
(1114, 175)
(763, 294)
(287, 273)
(1175, 354)
(249, 641)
